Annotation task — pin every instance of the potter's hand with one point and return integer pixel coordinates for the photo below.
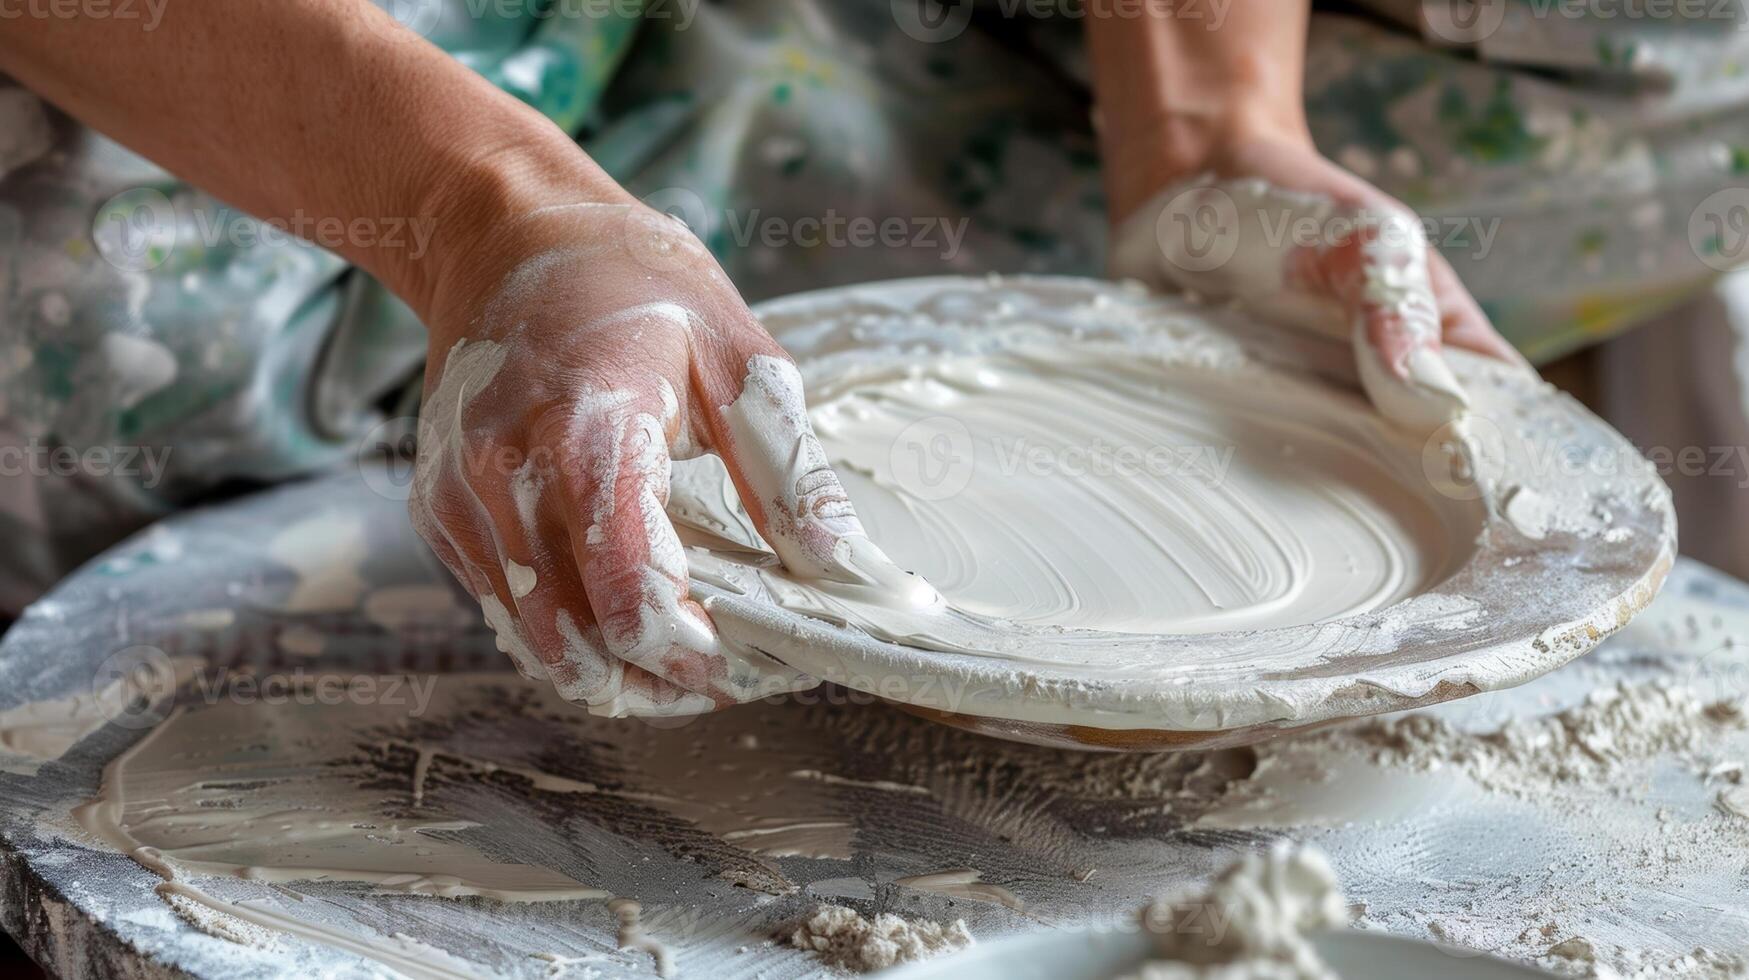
(1286, 233)
(1211, 177)
(557, 393)
(572, 351)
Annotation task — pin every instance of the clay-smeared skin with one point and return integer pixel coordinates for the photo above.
(1370, 267)
(613, 346)
(1346, 271)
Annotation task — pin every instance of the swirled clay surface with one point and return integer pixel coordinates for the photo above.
(1159, 485)
(1075, 487)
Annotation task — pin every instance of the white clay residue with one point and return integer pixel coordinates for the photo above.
(208, 620)
(40, 731)
(632, 936)
(279, 792)
(294, 790)
(404, 607)
(521, 578)
(1211, 512)
(963, 883)
(325, 553)
(1265, 907)
(302, 641)
(1528, 511)
(842, 938)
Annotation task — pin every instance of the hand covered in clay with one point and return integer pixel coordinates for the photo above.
(557, 394)
(1279, 229)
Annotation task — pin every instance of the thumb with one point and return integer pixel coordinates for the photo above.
(789, 488)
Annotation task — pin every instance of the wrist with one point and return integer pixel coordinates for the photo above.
(476, 210)
(1145, 156)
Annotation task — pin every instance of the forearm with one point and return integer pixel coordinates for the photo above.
(1172, 90)
(309, 111)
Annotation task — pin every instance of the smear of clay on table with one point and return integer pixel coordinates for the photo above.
(278, 792)
(40, 731)
(402, 607)
(346, 790)
(963, 883)
(325, 553)
(300, 783)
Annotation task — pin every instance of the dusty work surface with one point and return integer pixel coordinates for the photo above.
(1612, 833)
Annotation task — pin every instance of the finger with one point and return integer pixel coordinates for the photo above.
(451, 518)
(1379, 273)
(762, 430)
(551, 606)
(534, 599)
(545, 597)
(447, 508)
(558, 618)
(629, 558)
